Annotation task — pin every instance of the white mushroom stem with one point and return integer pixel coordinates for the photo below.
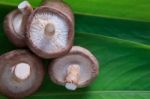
(72, 78)
(21, 71)
(25, 8)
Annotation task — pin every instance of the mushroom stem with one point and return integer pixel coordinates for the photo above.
(25, 8)
(21, 71)
(72, 78)
(49, 30)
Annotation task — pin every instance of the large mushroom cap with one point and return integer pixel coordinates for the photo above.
(49, 33)
(21, 73)
(78, 56)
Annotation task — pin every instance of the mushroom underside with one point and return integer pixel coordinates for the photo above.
(48, 32)
(17, 25)
(21, 73)
(60, 66)
(14, 83)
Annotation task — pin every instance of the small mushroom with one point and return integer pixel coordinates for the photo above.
(50, 29)
(21, 73)
(15, 24)
(75, 70)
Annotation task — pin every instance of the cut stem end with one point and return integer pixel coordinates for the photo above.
(49, 30)
(21, 71)
(71, 86)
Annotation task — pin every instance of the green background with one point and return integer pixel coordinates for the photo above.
(117, 33)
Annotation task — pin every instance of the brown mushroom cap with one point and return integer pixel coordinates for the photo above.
(79, 56)
(58, 41)
(13, 29)
(17, 86)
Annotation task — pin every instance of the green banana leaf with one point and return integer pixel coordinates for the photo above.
(124, 9)
(118, 34)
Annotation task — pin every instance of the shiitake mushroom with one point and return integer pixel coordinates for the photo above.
(21, 73)
(15, 24)
(75, 70)
(50, 29)
(49, 34)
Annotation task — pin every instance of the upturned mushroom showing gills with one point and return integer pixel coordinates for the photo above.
(15, 24)
(75, 70)
(50, 30)
(21, 74)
